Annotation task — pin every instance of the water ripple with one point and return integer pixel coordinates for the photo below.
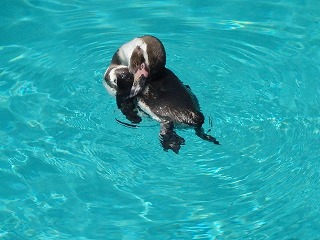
(52, 6)
(254, 69)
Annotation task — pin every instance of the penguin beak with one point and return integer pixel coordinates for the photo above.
(140, 78)
(137, 86)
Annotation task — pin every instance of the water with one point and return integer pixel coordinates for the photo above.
(68, 170)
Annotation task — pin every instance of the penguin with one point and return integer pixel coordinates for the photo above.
(144, 57)
(165, 98)
(118, 83)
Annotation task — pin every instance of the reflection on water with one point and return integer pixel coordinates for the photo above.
(69, 170)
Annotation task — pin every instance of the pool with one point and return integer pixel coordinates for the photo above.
(69, 170)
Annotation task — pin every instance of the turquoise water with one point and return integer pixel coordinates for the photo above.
(68, 170)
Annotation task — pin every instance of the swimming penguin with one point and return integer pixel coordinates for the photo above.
(165, 98)
(144, 56)
(119, 82)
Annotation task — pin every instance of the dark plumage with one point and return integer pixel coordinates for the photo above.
(166, 99)
(138, 77)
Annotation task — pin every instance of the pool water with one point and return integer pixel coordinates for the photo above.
(69, 170)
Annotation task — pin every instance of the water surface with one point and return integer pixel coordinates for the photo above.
(68, 170)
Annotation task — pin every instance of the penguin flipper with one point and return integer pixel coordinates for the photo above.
(128, 108)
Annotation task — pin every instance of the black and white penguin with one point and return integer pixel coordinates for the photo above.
(165, 98)
(118, 83)
(144, 56)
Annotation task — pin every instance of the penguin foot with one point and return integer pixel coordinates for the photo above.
(200, 133)
(172, 141)
(169, 139)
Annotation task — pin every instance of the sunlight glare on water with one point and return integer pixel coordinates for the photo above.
(68, 170)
